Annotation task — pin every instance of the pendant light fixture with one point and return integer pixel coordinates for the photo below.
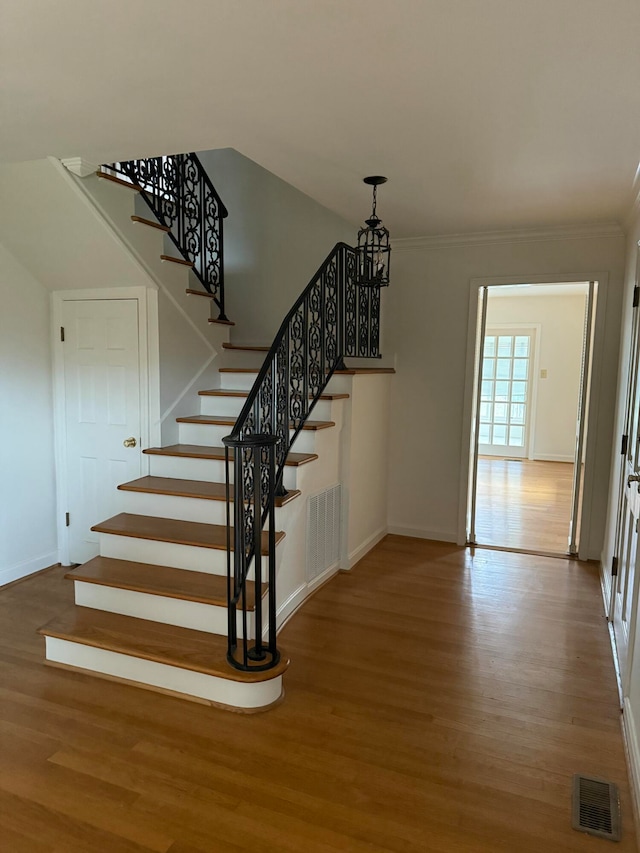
(374, 251)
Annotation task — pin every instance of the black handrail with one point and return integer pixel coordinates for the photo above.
(183, 199)
(332, 318)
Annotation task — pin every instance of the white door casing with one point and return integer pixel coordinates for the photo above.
(469, 444)
(102, 400)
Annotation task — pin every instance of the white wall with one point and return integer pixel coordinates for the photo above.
(427, 324)
(559, 348)
(275, 238)
(28, 538)
(364, 467)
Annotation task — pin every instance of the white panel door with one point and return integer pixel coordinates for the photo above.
(625, 575)
(102, 402)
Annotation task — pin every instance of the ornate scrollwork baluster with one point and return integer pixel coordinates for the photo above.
(180, 194)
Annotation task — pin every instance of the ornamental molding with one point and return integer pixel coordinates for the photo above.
(79, 166)
(520, 235)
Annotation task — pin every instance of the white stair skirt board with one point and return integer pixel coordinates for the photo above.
(211, 688)
(186, 468)
(190, 557)
(158, 608)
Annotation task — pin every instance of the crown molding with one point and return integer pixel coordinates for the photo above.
(520, 235)
(79, 166)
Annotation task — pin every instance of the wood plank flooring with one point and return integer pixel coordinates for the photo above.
(524, 504)
(438, 701)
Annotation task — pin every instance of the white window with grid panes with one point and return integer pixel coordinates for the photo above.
(505, 394)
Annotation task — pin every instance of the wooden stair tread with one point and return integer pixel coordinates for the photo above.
(204, 489)
(221, 322)
(224, 392)
(204, 293)
(245, 347)
(197, 651)
(119, 181)
(158, 580)
(151, 223)
(363, 371)
(225, 420)
(175, 260)
(351, 371)
(173, 530)
(203, 451)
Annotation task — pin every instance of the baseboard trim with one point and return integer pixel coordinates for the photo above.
(301, 594)
(28, 567)
(421, 533)
(605, 584)
(362, 550)
(632, 753)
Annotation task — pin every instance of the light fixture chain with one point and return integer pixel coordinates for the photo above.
(375, 200)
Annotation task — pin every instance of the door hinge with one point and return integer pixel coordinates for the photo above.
(624, 445)
(614, 567)
(67, 519)
(62, 333)
(636, 296)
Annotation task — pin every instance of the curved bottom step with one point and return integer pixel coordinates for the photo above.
(179, 661)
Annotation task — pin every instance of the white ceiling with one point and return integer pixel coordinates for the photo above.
(484, 114)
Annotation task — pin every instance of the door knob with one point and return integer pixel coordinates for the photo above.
(130, 442)
(633, 478)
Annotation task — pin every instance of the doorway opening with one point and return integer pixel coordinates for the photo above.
(532, 377)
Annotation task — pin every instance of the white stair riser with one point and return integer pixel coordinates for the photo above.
(238, 381)
(307, 441)
(184, 509)
(140, 671)
(338, 384)
(341, 383)
(208, 470)
(192, 558)
(189, 557)
(158, 608)
(172, 506)
(231, 406)
(211, 435)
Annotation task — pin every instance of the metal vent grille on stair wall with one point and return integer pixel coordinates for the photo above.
(323, 531)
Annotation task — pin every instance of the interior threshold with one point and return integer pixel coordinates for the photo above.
(559, 555)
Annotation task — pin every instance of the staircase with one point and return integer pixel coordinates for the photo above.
(152, 608)
(176, 602)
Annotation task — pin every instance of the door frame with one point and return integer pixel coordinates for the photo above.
(475, 284)
(149, 378)
(535, 369)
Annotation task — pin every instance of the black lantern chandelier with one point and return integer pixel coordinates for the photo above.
(374, 251)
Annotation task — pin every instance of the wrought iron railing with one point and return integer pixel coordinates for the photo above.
(183, 199)
(334, 317)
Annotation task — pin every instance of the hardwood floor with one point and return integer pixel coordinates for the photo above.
(438, 701)
(524, 504)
